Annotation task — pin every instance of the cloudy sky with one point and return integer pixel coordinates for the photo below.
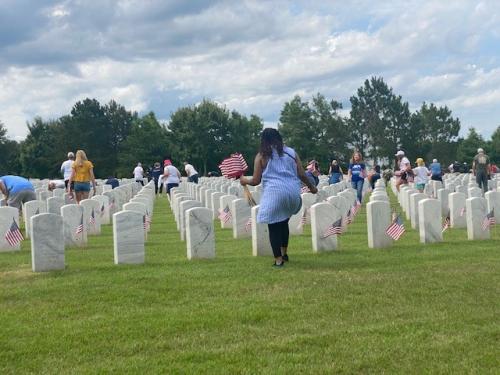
(251, 56)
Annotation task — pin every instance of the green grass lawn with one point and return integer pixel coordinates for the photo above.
(409, 309)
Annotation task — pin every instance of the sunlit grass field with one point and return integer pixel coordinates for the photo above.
(409, 309)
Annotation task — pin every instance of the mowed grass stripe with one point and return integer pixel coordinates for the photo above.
(412, 308)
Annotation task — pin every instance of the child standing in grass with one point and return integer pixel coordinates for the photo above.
(421, 175)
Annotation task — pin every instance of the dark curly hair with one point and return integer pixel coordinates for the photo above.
(269, 139)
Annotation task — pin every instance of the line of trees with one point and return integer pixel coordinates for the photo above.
(115, 139)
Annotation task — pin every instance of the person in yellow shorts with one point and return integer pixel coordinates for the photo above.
(82, 175)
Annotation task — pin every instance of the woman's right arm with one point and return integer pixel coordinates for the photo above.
(257, 173)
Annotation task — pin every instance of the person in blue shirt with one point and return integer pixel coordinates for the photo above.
(156, 172)
(17, 190)
(113, 182)
(357, 174)
(435, 168)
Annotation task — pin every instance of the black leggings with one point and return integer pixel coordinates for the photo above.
(278, 236)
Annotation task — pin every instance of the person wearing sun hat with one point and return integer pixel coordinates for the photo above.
(421, 175)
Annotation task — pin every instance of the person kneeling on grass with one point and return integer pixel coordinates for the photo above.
(280, 170)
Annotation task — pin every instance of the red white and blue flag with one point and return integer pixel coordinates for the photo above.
(248, 225)
(92, 218)
(225, 214)
(489, 220)
(333, 229)
(79, 228)
(102, 210)
(356, 208)
(14, 235)
(396, 229)
(447, 222)
(462, 211)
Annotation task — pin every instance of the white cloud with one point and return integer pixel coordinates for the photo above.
(252, 56)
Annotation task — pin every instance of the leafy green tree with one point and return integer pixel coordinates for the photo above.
(297, 127)
(467, 147)
(9, 154)
(207, 133)
(147, 143)
(40, 153)
(379, 121)
(494, 146)
(435, 134)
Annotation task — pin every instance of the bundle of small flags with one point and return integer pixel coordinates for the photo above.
(234, 166)
(335, 228)
(248, 225)
(14, 235)
(79, 228)
(489, 220)
(396, 229)
(447, 222)
(225, 214)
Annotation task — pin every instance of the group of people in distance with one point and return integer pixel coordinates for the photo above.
(167, 175)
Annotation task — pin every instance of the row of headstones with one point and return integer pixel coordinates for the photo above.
(51, 232)
(426, 213)
(195, 206)
(467, 180)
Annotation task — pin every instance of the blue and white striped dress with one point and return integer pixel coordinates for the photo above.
(280, 188)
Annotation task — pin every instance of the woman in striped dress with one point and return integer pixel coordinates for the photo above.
(280, 170)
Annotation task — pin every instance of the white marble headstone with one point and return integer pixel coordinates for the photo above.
(378, 218)
(200, 239)
(47, 242)
(72, 215)
(323, 217)
(260, 236)
(30, 209)
(430, 225)
(128, 237)
(7, 216)
(477, 209)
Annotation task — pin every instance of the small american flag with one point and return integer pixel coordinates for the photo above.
(335, 228)
(225, 215)
(148, 220)
(356, 208)
(462, 211)
(350, 216)
(489, 220)
(112, 203)
(79, 228)
(14, 235)
(396, 229)
(144, 222)
(92, 218)
(303, 219)
(102, 210)
(447, 222)
(248, 225)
